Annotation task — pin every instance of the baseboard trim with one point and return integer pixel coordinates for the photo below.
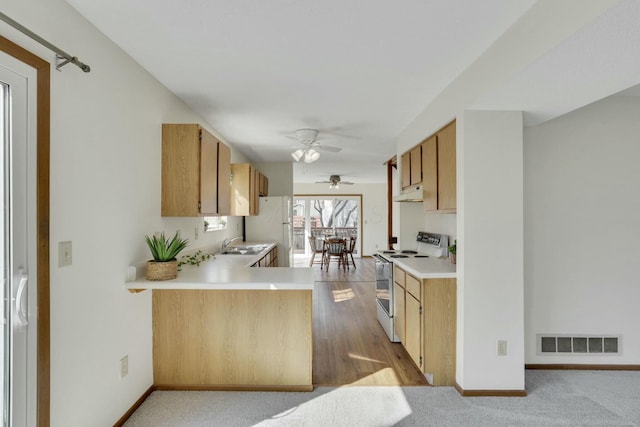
(583, 367)
(232, 387)
(494, 393)
(135, 406)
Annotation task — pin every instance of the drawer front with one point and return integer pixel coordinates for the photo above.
(413, 286)
(398, 276)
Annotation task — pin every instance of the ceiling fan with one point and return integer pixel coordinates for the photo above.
(309, 149)
(334, 182)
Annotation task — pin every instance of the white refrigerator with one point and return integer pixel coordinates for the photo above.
(274, 224)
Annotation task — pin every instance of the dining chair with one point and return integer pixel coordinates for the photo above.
(348, 251)
(316, 248)
(334, 248)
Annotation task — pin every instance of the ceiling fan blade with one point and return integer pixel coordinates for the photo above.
(327, 148)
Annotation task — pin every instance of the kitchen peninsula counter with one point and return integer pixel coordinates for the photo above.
(226, 326)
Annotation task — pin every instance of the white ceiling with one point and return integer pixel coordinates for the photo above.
(358, 71)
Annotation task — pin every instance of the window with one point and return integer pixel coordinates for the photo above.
(214, 223)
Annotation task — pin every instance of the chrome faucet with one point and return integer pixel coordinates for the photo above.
(226, 242)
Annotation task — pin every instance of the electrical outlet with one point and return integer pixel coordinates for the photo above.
(195, 233)
(502, 347)
(124, 366)
(64, 254)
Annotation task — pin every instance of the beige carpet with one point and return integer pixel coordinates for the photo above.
(556, 398)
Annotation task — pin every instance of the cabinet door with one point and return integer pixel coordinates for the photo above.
(224, 184)
(447, 168)
(416, 165)
(413, 286)
(413, 329)
(398, 311)
(406, 169)
(398, 275)
(430, 174)
(208, 174)
(180, 170)
(240, 197)
(254, 184)
(439, 313)
(264, 185)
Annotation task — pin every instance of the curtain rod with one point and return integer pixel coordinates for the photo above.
(60, 54)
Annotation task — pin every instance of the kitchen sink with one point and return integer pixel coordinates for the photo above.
(235, 251)
(244, 250)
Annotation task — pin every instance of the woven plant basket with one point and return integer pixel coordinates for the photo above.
(162, 270)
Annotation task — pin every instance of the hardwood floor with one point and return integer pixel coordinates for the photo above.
(349, 345)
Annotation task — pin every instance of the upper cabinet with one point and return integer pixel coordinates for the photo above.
(195, 172)
(263, 188)
(247, 185)
(412, 167)
(439, 170)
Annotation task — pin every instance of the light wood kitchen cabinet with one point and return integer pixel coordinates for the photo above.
(195, 172)
(413, 329)
(405, 162)
(439, 170)
(412, 167)
(269, 260)
(263, 188)
(439, 331)
(398, 311)
(232, 339)
(416, 165)
(426, 313)
(245, 184)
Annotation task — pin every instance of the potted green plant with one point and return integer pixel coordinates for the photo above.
(452, 252)
(164, 265)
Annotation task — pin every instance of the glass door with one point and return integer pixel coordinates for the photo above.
(323, 216)
(17, 251)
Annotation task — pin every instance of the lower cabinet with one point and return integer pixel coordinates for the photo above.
(399, 311)
(439, 323)
(269, 260)
(413, 329)
(425, 322)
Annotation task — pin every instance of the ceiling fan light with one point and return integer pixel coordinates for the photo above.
(311, 156)
(297, 155)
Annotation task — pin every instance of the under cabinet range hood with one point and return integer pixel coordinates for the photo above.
(413, 194)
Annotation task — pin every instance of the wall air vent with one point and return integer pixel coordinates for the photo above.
(592, 345)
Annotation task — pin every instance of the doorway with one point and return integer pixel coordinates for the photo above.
(325, 215)
(18, 251)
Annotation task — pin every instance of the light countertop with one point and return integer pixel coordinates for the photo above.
(427, 268)
(231, 272)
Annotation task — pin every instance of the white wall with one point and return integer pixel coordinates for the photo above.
(105, 196)
(374, 210)
(490, 250)
(582, 228)
(280, 176)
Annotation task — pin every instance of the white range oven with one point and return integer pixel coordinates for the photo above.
(427, 245)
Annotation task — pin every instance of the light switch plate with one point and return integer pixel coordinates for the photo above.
(502, 348)
(64, 254)
(124, 366)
